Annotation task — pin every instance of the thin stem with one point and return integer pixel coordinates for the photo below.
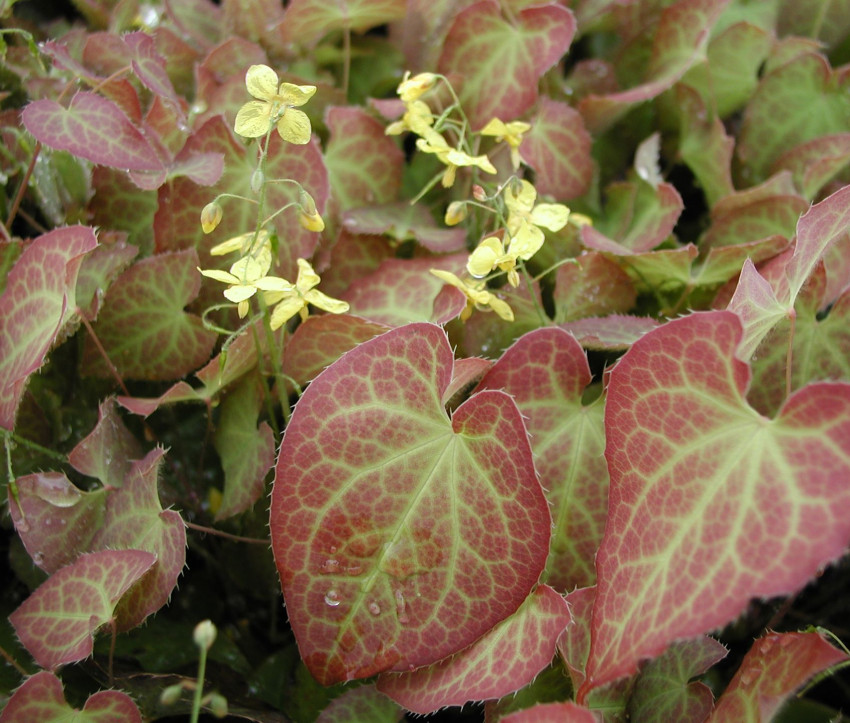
(199, 688)
(529, 283)
(14, 663)
(111, 671)
(22, 189)
(103, 353)
(226, 535)
(53, 454)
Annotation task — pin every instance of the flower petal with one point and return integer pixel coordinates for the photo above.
(273, 283)
(294, 127)
(285, 310)
(290, 94)
(239, 293)
(526, 242)
(253, 119)
(218, 275)
(261, 82)
(325, 302)
(501, 308)
(553, 216)
(485, 257)
(307, 278)
(520, 203)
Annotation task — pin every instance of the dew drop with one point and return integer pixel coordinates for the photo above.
(330, 566)
(332, 598)
(401, 607)
(38, 558)
(22, 526)
(374, 608)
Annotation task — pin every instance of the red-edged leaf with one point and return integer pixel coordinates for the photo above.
(307, 21)
(361, 704)
(144, 407)
(558, 149)
(402, 535)
(501, 62)
(38, 301)
(404, 290)
(364, 164)
(55, 520)
(56, 623)
(255, 19)
(119, 204)
(776, 666)
(246, 450)
(135, 520)
(321, 340)
(815, 163)
(108, 452)
(615, 332)
(403, 221)
(93, 128)
(546, 372)
(662, 692)
(98, 271)
(721, 264)
(690, 514)
(680, 41)
(592, 286)
(567, 712)
(501, 662)
(143, 327)
(41, 698)
(574, 644)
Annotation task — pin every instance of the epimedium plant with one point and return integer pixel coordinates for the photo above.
(533, 326)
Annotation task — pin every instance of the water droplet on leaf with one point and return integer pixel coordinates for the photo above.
(374, 608)
(332, 598)
(330, 566)
(401, 607)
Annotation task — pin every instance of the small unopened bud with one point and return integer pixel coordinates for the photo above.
(171, 694)
(455, 213)
(204, 634)
(309, 217)
(478, 193)
(211, 216)
(411, 89)
(579, 219)
(257, 180)
(218, 705)
(308, 205)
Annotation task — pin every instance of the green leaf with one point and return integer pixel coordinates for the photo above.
(361, 705)
(246, 450)
(402, 535)
(307, 21)
(143, 327)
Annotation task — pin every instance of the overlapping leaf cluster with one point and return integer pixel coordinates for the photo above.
(582, 395)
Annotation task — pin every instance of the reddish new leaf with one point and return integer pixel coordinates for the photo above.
(135, 519)
(37, 303)
(402, 535)
(55, 520)
(501, 62)
(149, 67)
(364, 164)
(98, 271)
(143, 327)
(558, 149)
(93, 128)
(501, 662)
(776, 666)
(815, 163)
(107, 453)
(361, 704)
(56, 623)
(707, 497)
(41, 698)
(615, 332)
(591, 286)
(567, 712)
(546, 372)
(403, 221)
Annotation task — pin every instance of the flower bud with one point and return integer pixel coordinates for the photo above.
(312, 222)
(257, 180)
(218, 705)
(478, 193)
(204, 634)
(455, 213)
(211, 216)
(171, 694)
(411, 89)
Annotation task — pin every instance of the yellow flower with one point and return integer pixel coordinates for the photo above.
(476, 296)
(525, 218)
(417, 118)
(308, 215)
(511, 133)
(275, 104)
(491, 253)
(455, 213)
(246, 277)
(291, 300)
(411, 88)
(433, 142)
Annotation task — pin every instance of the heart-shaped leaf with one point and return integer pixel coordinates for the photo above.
(56, 623)
(708, 498)
(93, 128)
(402, 535)
(306, 21)
(41, 698)
(501, 62)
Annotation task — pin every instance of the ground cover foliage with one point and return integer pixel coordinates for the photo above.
(484, 359)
